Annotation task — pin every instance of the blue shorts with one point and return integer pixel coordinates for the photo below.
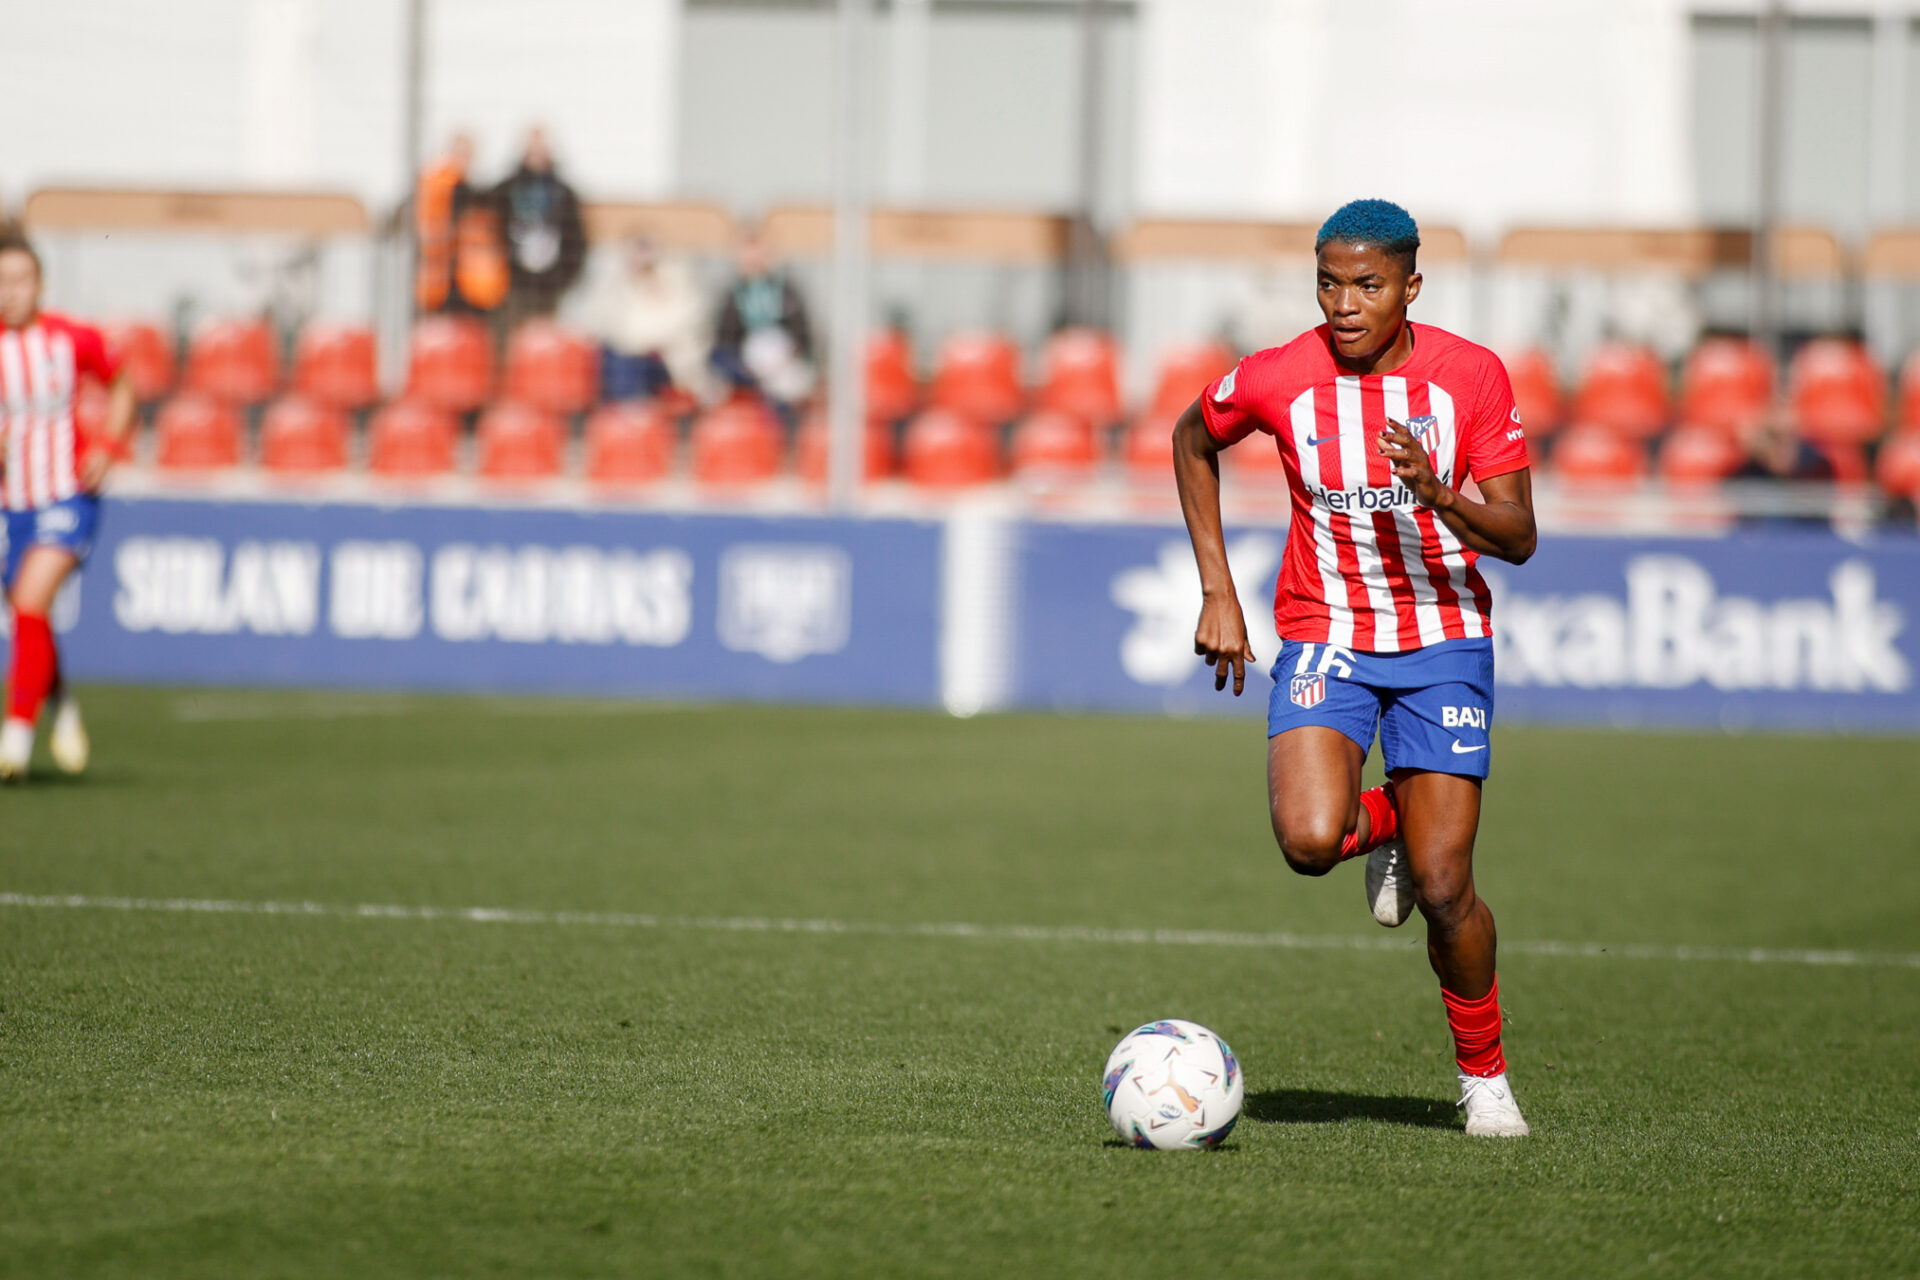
(1432, 706)
(68, 524)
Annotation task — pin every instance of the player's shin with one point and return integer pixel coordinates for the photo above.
(1485, 1095)
(30, 676)
(1476, 1032)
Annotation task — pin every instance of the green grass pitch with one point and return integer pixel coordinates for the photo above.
(186, 1093)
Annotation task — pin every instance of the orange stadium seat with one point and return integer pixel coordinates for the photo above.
(1694, 455)
(1186, 371)
(334, 365)
(877, 464)
(412, 438)
(1838, 392)
(195, 432)
(1623, 389)
(233, 361)
(1055, 442)
(629, 443)
(1587, 455)
(1147, 451)
(1536, 391)
(302, 435)
(892, 389)
(146, 355)
(1080, 375)
(519, 442)
(552, 369)
(948, 450)
(1726, 383)
(1897, 469)
(979, 376)
(450, 363)
(736, 445)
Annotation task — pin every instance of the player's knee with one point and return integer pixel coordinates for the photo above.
(1310, 848)
(1446, 898)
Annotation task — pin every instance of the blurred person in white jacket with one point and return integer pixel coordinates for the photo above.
(651, 316)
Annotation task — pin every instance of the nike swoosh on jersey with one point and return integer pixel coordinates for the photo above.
(1315, 444)
(1462, 751)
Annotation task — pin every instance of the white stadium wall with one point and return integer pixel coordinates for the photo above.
(309, 93)
(1477, 113)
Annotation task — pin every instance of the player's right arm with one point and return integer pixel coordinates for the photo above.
(1221, 637)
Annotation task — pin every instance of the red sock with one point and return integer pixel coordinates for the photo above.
(1383, 822)
(1476, 1032)
(34, 663)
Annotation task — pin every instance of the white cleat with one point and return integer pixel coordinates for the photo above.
(1390, 894)
(16, 749)
(68, 744)
(1491, 1110)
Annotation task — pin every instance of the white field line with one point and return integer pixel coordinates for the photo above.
(1028, 933)
(222, 708)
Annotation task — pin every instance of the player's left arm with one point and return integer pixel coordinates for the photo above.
(1501, 525)
(116, 433)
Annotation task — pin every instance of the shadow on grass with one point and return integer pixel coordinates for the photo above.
(1317, 1106)
(43, 778)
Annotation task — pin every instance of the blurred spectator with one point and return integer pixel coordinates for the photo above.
(1777, 453)
(462, 265)
(762, 339)
(652, 320)
(546, 239)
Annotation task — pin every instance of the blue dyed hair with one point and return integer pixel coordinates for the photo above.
(1380, 223)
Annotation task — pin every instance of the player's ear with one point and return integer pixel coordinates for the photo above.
(1413, 287)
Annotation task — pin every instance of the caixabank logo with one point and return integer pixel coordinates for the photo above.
(1672, 626)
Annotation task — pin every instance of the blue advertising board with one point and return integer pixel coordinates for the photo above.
(199, 592)
(1776, 629)
(1781, 629)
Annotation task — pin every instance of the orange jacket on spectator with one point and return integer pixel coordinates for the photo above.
(463, 260)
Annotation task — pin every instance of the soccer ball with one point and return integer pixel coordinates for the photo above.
(1174, 1086)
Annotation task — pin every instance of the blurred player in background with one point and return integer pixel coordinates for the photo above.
(1385, 623)
(49, 490)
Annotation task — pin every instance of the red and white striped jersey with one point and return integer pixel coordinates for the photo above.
(40, 371)
(1367, 567)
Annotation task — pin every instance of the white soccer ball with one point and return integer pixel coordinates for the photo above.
(1173, 1085)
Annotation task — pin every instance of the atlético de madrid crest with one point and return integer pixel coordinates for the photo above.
(1426, 428)
(1308, 690)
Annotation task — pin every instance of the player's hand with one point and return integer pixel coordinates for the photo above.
(1411, 464)
(1221, 639)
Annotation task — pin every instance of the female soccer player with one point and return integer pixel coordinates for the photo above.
(1385, 624)
(49, 492)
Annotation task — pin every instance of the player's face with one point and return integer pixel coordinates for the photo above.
(1364, 295)
(19, 288)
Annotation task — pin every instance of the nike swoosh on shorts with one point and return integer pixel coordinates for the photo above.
(1461, 751)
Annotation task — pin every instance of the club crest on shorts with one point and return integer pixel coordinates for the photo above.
(1426, 428)
(1309, 690)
